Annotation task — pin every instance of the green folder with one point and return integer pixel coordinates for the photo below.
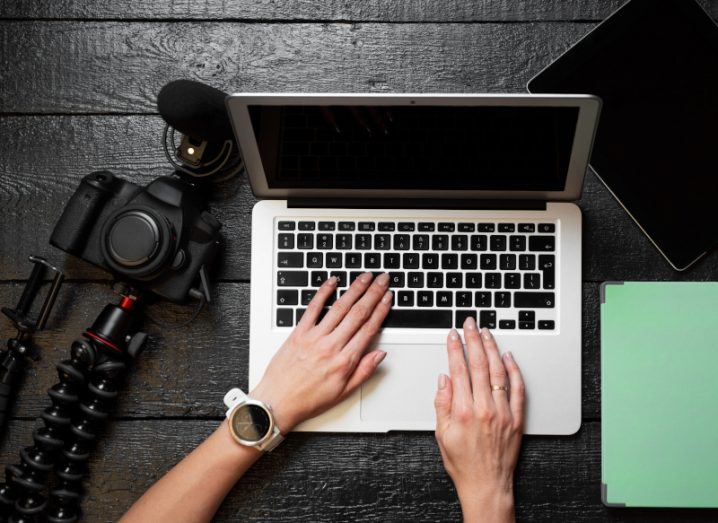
(659, 394)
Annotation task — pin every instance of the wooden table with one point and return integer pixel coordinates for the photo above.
(78, 81)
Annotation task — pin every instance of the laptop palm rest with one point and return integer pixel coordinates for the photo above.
(401, 394)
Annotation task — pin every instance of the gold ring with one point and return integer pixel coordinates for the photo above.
(498, 387)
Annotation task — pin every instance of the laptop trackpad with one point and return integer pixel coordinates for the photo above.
(401, 394)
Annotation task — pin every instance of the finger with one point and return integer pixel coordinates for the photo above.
(314, 309)
(442, 402)
(364, 370)
(461, 397)
(478, 363)
(518, 389)
(361, 340)
(497, 371)
(343, 305)
(362, 310)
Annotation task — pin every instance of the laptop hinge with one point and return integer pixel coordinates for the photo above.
(425, 203)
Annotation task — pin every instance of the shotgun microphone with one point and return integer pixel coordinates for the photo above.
(207, 149)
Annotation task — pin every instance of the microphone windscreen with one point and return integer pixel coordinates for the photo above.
(195, 110)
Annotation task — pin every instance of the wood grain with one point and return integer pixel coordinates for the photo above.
(43, 158)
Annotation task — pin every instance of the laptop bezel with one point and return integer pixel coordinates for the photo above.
(589, 108)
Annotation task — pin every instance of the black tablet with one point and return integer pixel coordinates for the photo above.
(655, 65)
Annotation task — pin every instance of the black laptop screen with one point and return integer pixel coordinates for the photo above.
(415, 147)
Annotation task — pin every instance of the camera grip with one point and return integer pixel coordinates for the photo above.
(81, 212)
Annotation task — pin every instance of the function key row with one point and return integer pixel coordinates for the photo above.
(286, 225)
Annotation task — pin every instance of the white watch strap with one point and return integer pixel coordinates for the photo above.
(233, 398)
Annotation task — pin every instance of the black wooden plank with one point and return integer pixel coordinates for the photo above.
(312, 477)
(184, 371)
(119, 67)
(335, 10)
(44, 158)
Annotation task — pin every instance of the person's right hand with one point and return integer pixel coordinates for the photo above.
(479, 412)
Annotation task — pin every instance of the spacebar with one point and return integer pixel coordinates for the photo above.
(419, 319)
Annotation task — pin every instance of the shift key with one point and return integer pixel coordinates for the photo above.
(292, 278)
(534, 300)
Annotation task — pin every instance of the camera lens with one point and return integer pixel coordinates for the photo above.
(133, 239)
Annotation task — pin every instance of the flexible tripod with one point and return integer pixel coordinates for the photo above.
(81, 402)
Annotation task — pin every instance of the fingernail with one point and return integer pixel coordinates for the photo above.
(470, 323)
(508, 356)
(380, 355)
(453, 335)
(332, 281)
(442, 381)
(365, 278)
(387, 297)
(486, 333)
(383, 279)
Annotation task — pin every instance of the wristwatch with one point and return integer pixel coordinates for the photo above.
(251, 422)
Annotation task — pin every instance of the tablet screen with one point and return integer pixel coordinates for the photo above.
(655, 65)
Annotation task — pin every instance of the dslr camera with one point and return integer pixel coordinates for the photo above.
(159, 238)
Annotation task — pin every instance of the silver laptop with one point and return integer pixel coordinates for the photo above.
(465, 200)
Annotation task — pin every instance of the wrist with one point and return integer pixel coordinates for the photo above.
(487, 503)
(285, 417)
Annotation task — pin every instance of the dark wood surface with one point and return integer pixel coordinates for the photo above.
(78, 80)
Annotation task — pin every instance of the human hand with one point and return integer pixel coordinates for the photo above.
(479, 428)
(322, 363)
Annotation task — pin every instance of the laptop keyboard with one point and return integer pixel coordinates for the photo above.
(502, 273)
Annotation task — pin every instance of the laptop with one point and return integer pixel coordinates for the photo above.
(465, 200)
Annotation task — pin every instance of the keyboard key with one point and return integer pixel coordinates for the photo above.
(486, 227)
(341, 277)
(532, 281)
(527, 227)
(527, 262)
(300, 313)
(327, 226)
(547, 265)
(386, 226)
(421, 242)
(444, 299)
(507, 262)
(479, 242)
(382, 242)
(307, 226)
(507, 227)
(435, 280)
(290, 259)
(535, 300)
(507, 324)
(315, 260)
(308, 295)
(492, 280)
(469, 261)
(547, 227)
(305, 241)
(353, 275)
(362, 242)
(285, 317)
(488, 262)
(517, 243)
(473, 280)
(527, 325)
(546, 325)
(447, 227)
(344, 241)
(440, 242)
(482, 299)
(463, 299)
(467, 227)
(286, 226)
(372, 260)
(461, 317)
(450, 261)
(512, 280)
(285, 241)
(497, 242)
(406, 299)
(487, 319)
(527, 316)
(319, 277)
(410, 260)
(402, 242)
(430, 261)
(425, 299)
(459, 242)
(287, 297)
(502, 299)
(352, 260)
(367, 226)
(542, 243)
(333, 260)
(426, 227)
(454, 280)
(347, 226)
(396, 280)
(415, 280)
(406, 227)
(292, 278)
(391, 260)
(426, 319)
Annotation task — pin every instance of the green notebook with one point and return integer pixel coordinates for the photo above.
(659, 394)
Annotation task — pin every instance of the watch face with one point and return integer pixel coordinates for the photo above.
(250, 422)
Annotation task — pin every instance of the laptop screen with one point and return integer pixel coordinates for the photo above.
(500, 148)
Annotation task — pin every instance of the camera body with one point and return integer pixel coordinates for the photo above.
(158, 238)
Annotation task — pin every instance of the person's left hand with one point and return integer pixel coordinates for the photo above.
(321, 363)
